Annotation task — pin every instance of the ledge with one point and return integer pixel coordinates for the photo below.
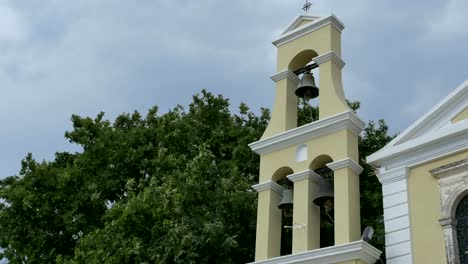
(307, 174)
(345, 163)
(358, 250)
(269, 185)
(286, 74)
(302, 30)
(450, 169)
(346, 120)
(329, 56)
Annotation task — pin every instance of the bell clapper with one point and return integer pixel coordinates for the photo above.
(295, 226)
(329, 216)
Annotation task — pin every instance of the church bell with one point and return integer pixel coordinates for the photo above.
(325, 197)
(307, 88)
(286, 204)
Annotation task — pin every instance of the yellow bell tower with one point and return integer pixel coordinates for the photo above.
(298, 154)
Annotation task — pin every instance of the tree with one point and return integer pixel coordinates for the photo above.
(170, 188)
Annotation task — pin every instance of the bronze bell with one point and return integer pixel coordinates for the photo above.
(286, 204)
(325, 197)
(307, 88)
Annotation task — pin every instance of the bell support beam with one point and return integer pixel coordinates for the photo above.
(331, 86)
(306, 215)
(347, 205)
(284, 113)
(268, 241)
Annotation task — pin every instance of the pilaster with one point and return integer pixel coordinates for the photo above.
(306, 215)
(268, 241)
(347, 204)
(331, 87)
(284, 113)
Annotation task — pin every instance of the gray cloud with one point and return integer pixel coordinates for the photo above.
(62, 57)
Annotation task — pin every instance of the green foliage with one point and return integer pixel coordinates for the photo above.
(170, 188)
(373, 138)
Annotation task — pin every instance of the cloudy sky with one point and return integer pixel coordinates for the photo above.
(61, 57)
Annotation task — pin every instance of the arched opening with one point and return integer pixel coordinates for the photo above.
(281, 174)
(324, 198)
(306, 113)
(320, 162)
(461, 217)
(301, 59)
(286, 216)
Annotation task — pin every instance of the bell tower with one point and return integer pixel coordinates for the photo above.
(303, 161)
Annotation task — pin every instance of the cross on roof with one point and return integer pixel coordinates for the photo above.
(307, 6)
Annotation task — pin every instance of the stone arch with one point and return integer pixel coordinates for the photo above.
(450, 206)
(320, 162)
(461, 218)
(301, 59)
(281, 173)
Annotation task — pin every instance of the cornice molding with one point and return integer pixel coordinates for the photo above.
(428, 130)
(307, 174)
(286, 74)
(345, 163)
(298, 20)
(331, 55)
(435, 118)
(358, 250)
(346, 120)
(307, 28)
(387, 177)
(269, 185)
(423, 149)
(450, 169)
(448, 222)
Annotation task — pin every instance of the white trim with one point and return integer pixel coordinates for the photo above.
(307, 174)
(286, 74)
(330, 55)
(396, 214)
(346, 120)
(358, 250)
(298, 20)
(307, 28)
(398, 250)
(429, 125)
(345, 163)
(269, 185)
(450, 169)
(390, 176)
(448, 107)
(415, 152)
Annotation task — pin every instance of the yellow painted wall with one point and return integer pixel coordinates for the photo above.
(424, 208)
(270, 228)
(284, 113)
(461, 116)
(329, 40)
(338, 145)
(303, 22)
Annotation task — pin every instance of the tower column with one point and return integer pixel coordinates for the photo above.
(347, 205)
(284, 113)
(306, 215)
(332, 99)
(268, 240)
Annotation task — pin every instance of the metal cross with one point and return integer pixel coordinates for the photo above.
(307, 6)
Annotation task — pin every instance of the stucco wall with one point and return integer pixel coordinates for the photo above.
(424, 210)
